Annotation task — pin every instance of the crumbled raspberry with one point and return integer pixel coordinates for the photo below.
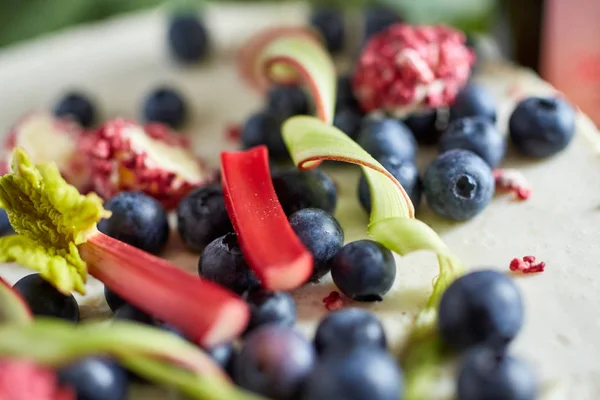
(233, 133)
(528, 265)
(126, 156)
(333, 301)
(23, 380)
(408, 66)
(514, 181)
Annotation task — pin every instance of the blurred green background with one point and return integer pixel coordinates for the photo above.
(25, 19)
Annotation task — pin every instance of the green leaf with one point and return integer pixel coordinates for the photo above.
(51, 217)
(13, 309)
(154, 354)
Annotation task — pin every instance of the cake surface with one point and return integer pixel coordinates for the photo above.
(119, 61)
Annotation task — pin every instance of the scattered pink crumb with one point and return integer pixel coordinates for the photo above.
(333, 301)
(527, 265)
(233, 132)
(512, 180)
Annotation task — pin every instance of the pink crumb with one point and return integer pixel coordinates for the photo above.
(233, 132)
(527, 265)
(333, 301)
(512, 180)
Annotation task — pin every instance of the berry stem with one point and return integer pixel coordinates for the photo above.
(260, 222)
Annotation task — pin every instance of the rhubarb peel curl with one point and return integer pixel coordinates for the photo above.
(311, 140)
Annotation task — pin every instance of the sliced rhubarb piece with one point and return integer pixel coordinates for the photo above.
(25, 380)
(13, 308)
(50, 139)
(151, 159)
(268, 242)
(57, 236)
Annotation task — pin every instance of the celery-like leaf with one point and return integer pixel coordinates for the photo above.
(51, 217)
(154, 354)
(13, 309)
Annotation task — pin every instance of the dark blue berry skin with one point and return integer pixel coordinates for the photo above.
(297, 190)
(274, 362)
(485, 374)
(95, 378)
(477, 134)
(348, 328)
(541, 127)
(130, 313)
(362, 373)
(330, 24)
(474, 100)
(264, 128)
(348, 120)
(482, 307)
(364, 270)
(202, 217)
(322, 235)
(45, 300)
(378, 18)
(188, 39)
(78, 107)
(407, 174)
(138, 220)
(5, 226)
(425, 126)
(113, 300)
(165, 105)
(387, 137)
(284, 101)
(458, 185)
(268, 308)
(223, 355)
(345, 94)
(222, 262)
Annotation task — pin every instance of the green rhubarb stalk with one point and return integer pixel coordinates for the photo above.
(13, 309)
(311, 140)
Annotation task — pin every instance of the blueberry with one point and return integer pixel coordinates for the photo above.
(165, 105)
(477, 134)
(458, 185)
(138, 220)
(274, 362)
(130, 313)
(364, 270)
(362, 373)
(202, 217)
(268, 308)
(95, 378)
(304, 189)
(541, 127)
(348, 328)
(473, 100)
(263, 128)
(345, 94)
(407, 174)
(378, 18)
(348, 120)
(77, 106)
(284, 101)
(5, 226)
(222, 354)
(45, 300)
(330, 24)
(482, 307)
(222, 262)
(485, 374)
(188, 39)
(113, 300)
(322, 235)
(427, 126)
(387, 137)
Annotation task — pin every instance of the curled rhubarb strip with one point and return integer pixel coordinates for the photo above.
(154, 354)
(13, 308)
(268, 242)
(58, 237)
(311, 140)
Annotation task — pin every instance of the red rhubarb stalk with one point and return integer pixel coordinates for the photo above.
(268, 242)
(206, 312)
